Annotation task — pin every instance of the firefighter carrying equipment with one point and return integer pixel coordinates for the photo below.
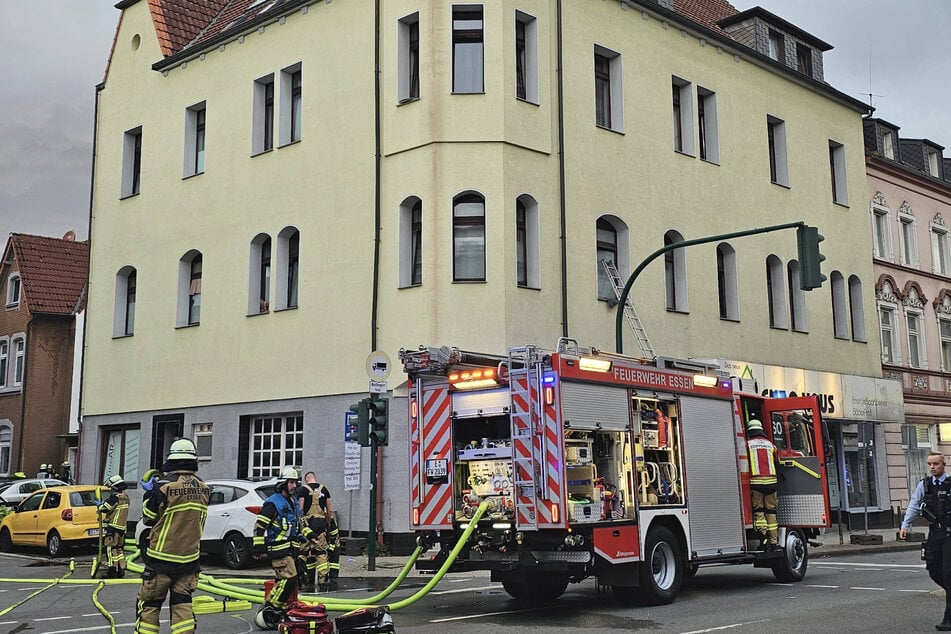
(113, 520)
(762, 455)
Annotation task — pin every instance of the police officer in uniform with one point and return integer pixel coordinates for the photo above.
(115, 510)
(763, 483)
(932, 500)
(175, 510)
(277, 533)
(322, 557)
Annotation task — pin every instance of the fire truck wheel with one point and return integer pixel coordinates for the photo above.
(792, 567)
(690, 572)
(535, 588)
(662, 570)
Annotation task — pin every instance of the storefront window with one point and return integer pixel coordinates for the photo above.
(916, 442)
(858, 444)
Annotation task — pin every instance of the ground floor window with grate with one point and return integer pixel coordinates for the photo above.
(268, 442)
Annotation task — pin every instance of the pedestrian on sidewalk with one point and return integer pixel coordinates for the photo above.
(932, 500)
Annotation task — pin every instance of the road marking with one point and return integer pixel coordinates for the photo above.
(860, 565)
(479, 616)
(727, 627)
(922, 591)
(495, 587)
(815, 585)
(53, 618)
(861, 588)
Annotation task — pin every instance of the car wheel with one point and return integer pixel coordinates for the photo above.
(6, 541)
(54, 544)
(235, 551)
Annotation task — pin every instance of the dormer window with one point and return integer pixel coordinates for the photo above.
(804, 59)
(13, 291)
(933, 163)
(888, 144)
(777, 47)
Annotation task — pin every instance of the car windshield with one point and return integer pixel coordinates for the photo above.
(83, 498)
(5, 486)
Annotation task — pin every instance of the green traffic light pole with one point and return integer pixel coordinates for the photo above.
(618, 330)
(371, 533)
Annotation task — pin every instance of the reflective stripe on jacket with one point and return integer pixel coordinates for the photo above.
(116, 510)
(762, 461)
(176, 511)
(279, 523)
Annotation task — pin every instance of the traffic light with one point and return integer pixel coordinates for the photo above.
(379, 409)
(810, 273)
(362, 434)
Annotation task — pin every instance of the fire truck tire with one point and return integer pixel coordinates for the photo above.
(690, 572)
(662, 571)
(792, 567)
(536, 588)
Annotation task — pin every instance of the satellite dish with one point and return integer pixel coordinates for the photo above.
(69, 236)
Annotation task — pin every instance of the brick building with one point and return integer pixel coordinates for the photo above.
(42, 290)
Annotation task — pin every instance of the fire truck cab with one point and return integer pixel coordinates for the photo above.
(630, 470)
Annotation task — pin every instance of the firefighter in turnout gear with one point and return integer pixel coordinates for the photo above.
(763, 483)
(932, 500)
(322, 556)
(115, 510)
(175, 509)
(277, 534)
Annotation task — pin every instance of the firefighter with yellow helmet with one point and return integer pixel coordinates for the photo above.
(115, 512)
(278, 532)
(175, 509)
(763, 483)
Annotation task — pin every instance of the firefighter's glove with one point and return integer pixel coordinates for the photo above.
(98, 503)
(149, 478)
(332, 527)
(258, 549)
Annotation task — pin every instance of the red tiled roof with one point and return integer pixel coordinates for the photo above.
(178, 22)
(53, 272)
(706, 12)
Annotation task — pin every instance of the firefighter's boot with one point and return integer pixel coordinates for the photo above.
(945, 625)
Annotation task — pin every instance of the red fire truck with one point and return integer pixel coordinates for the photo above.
(630, 470)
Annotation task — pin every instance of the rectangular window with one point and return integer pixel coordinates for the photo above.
(120, 453)
(194, 292)
(416, 236)
(202, 436)
(944, 327)
(776, 137)
(915, 340)
(804, 59)
(777, 47)
(840, 189)
(880, 233)
(909, 246)
(407, 61)
(129, 325)
(526, 57)
(293, 268)
(275, 441)
(887, 322)
(4, 361)
(13, 290)
(131, 162)
(467, 49)
(682, 99)
(608, 91)
(262, 129)
(888, 145)
(468, 238)
(940, 252)
(289, 129)
(933, 164)
(194, 140)
(19, 359)
(707, 125)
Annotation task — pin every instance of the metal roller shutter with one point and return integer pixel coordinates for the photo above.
(713, 483)
(585, 406)
(481, 403)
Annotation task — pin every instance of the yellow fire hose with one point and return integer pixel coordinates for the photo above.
(102, 609)
(72, 567)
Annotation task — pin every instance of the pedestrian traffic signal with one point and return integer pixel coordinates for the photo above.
(810, 273)
(379, 423)
(362, 433)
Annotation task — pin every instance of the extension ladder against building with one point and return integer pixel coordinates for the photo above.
(647, 350)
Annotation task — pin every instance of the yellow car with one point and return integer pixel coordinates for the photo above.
(57, 518)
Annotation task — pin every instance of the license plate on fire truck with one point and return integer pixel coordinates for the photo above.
(437, 468)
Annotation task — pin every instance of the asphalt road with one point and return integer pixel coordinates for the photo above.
(885, 592)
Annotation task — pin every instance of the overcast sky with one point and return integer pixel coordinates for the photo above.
(54, 52)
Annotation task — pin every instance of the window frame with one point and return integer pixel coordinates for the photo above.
(123, 323)
(200, 432)
(776, 293)
(126, 463)
(945, 339)
(682, 116)
(707, 129)
(528, 250)
(5, 364)
(259, 275)
(14, 290)
(611, 102)
(291, 105)
(526, 57)
(407, 59)
(798, 316)
(837, 171)
(881, 236)
(285, 271)
(940, 249)
(840, 322)
(459, 225)
(286, 453)
(675, 274)
(195, 123)
(18, 367)
(6, 447)
(468, 81)
(778, 151)
(189, 289)
(776, 46)
(908, 231)
(410, 272)
(262, 128)
(915, 338)
(888, 144)
(131, 181)
(727, 286)
(891, 353)
(804, 63)
(857, 309)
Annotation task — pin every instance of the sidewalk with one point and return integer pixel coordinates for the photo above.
(834, 544)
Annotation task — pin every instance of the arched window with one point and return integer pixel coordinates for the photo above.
(411, 242)
(612, 245)
(857, 309)
(123, 323)
(727, 294)
(189, 289)
(797, 298)
(675, 273)
(776, 293)
(526, 242)
(287, 268)
(259, 275)
(840, 307)
(468, 238)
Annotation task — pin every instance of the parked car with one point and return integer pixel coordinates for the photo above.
(16, 491)
(229, 527)
(57, 518)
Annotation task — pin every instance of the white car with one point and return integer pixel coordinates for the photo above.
(12, 493)
(229, 528)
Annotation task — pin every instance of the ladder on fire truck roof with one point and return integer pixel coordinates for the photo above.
(647, 350)
(524, 415)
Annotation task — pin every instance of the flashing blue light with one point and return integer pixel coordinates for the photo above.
(548, 378)
(727, 385)
(778, 393)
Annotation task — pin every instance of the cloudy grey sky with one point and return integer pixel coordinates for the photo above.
(54, 52)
